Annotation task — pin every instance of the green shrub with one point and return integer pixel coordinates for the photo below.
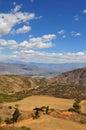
(76, 107)
(16, 115)
(71, 109)
(83, 121)
(25, 128)
(47, 110)
(8, 121)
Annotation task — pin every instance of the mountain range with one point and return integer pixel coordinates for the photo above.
(37, 69)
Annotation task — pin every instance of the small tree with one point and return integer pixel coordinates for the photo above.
(76, 107)
(37, 113)
(47, 110)
(37, 110)
(16, 115)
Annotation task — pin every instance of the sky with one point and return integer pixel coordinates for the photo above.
(43, 31)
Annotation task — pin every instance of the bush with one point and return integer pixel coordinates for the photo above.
(8, 121)
(25, 128)
(16, 114)
(76, 107)
(47, 110)
(83, 121)
(71, 109)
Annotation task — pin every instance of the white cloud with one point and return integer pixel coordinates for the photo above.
(23, 29)
(84, 11)
(61, 32)
(76, 34)
(10, 44)
(16, 9)
(31, 55)
(39, 42)
(38, 56)
(33, 43)
(76, 18)
(9, 20)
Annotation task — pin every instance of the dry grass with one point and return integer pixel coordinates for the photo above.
(83, 106)
(46, 122)
(29, 103)
(50, 123)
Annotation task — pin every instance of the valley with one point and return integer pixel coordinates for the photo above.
(56, 92)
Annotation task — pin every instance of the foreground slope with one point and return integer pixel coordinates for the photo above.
(46, 122)
(50, 123)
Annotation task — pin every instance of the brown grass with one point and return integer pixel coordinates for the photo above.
(29, 103)
(46, 122)
(83, 106)
(50, 123)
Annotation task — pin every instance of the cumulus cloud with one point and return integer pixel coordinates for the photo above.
(39, 42)
(33, 43)
(10, 44)
(23, 29)
(45, 57)
(76, 34)
(38, 56)
(9, 20)
(84, 11)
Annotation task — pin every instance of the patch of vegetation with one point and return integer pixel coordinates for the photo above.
(14, 118)
(14, 128)
(15, 115)
(76, 107)
(83, 121)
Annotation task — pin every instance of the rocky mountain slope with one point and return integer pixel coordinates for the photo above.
(67, 85)
(76, 77)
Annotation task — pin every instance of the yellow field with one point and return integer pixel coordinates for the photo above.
(39, 101)
(46, 122)
(50, 123)
(83, 106)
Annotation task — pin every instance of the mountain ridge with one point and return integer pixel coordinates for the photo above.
(37, 69)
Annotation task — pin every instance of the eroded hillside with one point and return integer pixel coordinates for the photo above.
(66, 85)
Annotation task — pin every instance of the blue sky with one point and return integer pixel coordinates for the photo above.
(47, 31)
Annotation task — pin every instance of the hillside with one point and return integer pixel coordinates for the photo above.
(67, 85)
(57, 118)
(77, 77)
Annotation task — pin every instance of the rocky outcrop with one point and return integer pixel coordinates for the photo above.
(77, 77)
